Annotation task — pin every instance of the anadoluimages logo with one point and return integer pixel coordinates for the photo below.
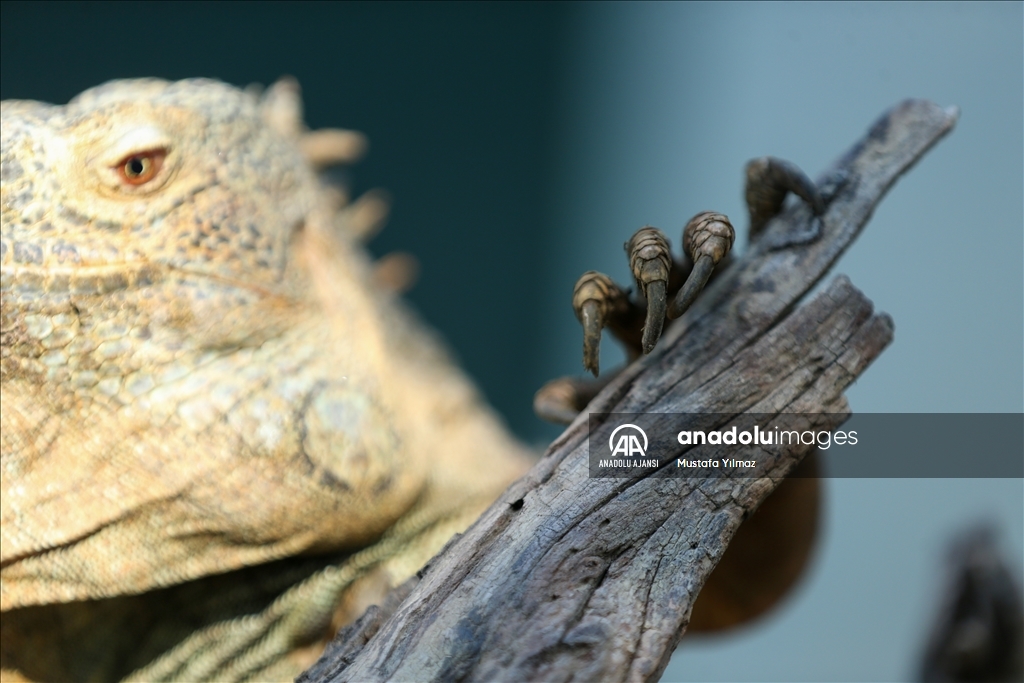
(628, 443)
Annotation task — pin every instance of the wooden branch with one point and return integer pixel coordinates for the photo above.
(568, 577)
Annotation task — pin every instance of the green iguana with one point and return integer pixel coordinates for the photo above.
(222, 435)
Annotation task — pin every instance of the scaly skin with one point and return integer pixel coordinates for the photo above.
(198, 373)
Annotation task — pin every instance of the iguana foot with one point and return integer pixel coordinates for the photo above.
(666, 286)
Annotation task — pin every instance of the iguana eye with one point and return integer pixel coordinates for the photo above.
(141, 167)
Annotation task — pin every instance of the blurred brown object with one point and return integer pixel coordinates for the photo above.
(767, 555)
(978, 634)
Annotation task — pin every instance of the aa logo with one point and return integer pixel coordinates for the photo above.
(628, 442)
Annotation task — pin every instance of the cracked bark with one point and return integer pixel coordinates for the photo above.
(571, 578)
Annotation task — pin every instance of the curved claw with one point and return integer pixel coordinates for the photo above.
(656, 303)
(651, 261)
(694, 284)
(789, 176)
(707, 238)
(596, 300)
(593, 321)
(768, 181)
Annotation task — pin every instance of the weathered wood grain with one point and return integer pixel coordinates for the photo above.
(568, 577)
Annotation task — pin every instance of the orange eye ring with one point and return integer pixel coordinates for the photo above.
(141, 167)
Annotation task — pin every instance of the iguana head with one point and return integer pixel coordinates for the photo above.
(138, 182)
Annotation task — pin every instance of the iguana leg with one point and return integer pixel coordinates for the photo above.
(257, 646)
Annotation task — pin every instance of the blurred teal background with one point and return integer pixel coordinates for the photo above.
(661, 106)
(457, 101)
(523, 143)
